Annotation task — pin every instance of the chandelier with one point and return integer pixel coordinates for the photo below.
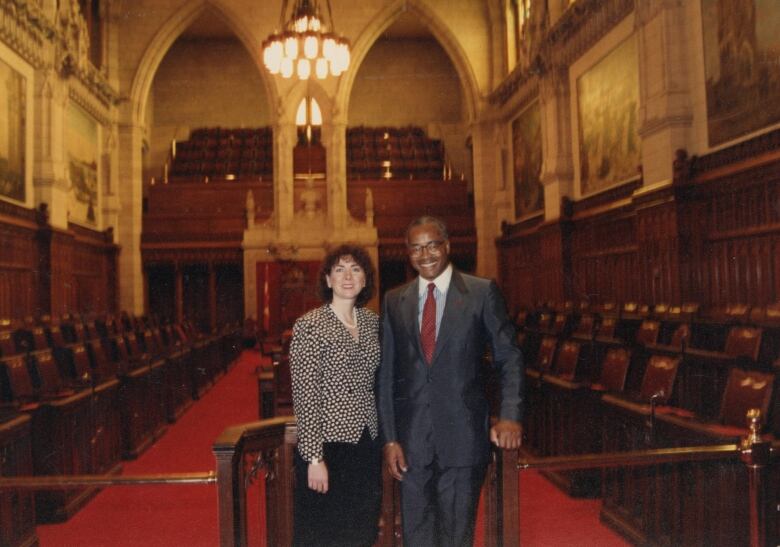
(306, 46)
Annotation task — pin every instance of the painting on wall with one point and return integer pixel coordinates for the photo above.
(13, 115)
(608, 104)
(82, 164)
(527, 161)
(741, 65)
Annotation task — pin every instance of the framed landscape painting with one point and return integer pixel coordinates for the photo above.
(13, 137)
(82, 164)
(741, 65)
(608, 107)
(527, 161)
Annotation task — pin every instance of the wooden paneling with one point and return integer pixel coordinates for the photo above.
(533, 263)
(17, 509)
(48, 272)
(711, 237)
(396, 203)
(730, 218)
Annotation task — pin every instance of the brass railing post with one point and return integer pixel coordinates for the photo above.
(755, 453)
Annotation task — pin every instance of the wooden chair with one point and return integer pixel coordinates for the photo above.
(681, 335)
(647, 334)
(586, 327)
(658, 380)
(607, 327)
(82, 367)
(745, 389)
(49, 379)
(743, 342)
(567, 360)
(39, 338)
(7, 347)
(104, 366)
(614, 369)
(55, 337)
(546, 355)
(19, 386)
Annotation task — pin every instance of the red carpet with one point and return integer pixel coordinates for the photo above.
(165, 516)
(549, 518)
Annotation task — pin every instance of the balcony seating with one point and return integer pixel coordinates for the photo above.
(218, 154)
(411, 155)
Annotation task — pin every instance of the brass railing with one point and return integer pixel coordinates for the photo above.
(756, 453)
(60, 482)
(244, 452)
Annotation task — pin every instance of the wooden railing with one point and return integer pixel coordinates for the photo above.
(250, 453)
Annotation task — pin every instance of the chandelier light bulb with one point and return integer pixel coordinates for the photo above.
(328, 47)
(311, 46)
(286, 67)
(272, 56)
(321, 68)
(291, 47)
(301, 24)
(304, 69)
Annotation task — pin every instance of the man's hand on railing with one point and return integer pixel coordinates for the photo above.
(506, 434)
(395, 460)
(318, 477)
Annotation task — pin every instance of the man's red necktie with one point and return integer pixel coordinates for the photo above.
(428, 327)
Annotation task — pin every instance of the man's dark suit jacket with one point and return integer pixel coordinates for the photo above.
(447, 398)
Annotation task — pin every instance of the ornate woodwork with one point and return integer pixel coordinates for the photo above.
(712, 237)
(17, 510)
(50, 272)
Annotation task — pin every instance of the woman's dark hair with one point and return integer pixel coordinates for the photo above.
(361, 258)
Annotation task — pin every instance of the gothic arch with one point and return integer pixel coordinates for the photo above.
(167, 35)
(439, 30)
(299, 90)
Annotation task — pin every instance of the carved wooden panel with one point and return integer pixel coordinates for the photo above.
(658, 262)
(733, 231)
(604, 259)
(18, 262)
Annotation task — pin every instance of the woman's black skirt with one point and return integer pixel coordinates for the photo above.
(348, 514)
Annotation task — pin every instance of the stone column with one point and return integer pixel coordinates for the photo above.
(665, 113)
(50, 170)
(334, 137)
(129, 221)
(491, 201)
(284, 205)
(557, 160)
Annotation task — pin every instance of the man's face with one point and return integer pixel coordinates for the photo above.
(428, 251)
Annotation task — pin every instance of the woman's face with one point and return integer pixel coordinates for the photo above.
(346, 279)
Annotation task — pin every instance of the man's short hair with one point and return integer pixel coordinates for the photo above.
(429, 219)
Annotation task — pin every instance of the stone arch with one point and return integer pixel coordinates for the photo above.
(299, 90)
(167, 35)
(438, 29)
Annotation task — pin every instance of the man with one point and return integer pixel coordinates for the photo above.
(433, 408)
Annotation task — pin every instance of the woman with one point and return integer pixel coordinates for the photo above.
(334, 356)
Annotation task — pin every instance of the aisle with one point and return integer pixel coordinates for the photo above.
(166, 516)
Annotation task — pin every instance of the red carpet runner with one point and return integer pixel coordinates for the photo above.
(167, 516)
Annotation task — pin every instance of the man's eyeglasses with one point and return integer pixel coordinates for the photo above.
(431, 247)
